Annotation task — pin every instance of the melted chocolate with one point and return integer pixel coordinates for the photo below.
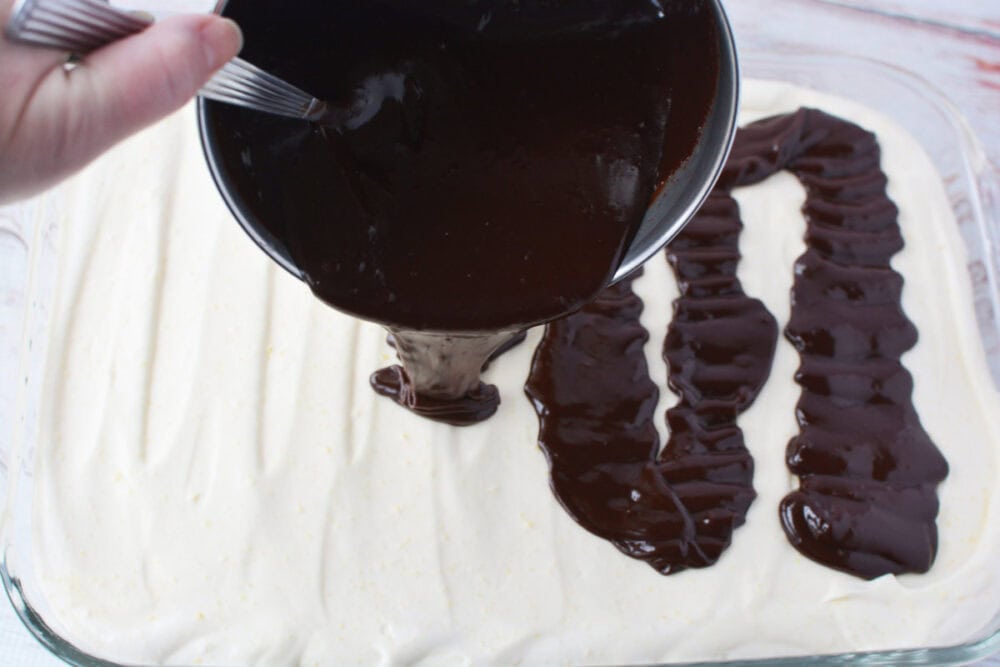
(439, 378)
(868, 471)
(470, 401)
(499, 158)
(590, 385)
(511, 343)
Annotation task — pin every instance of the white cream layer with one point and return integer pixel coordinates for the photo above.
(217, 483)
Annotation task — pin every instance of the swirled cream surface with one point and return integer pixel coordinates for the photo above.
(218, 484)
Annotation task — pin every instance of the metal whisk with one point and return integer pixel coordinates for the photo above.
(81, 26)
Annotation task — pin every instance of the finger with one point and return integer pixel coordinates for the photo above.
(132, 83)
(70, 118)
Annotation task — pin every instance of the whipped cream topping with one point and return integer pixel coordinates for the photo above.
(218, 484)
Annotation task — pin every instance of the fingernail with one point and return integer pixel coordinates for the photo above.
(222, 39)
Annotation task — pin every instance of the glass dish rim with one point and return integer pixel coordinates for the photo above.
(988, 219)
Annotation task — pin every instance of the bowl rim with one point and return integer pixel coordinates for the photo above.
(665, 217)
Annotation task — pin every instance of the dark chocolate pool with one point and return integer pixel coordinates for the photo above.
(500, 157)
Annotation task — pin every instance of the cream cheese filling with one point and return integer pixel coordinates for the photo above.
(218, 484)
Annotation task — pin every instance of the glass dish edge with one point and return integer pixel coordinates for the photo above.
(975, 177)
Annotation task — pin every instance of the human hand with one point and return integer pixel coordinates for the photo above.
(53, 121)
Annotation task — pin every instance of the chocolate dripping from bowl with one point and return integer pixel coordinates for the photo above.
(444, 366)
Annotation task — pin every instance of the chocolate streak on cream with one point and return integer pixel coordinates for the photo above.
(499, 159)
(451, 391)
(591, 389)
(868, 472)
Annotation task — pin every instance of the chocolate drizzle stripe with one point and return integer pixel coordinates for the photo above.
(868, 471)
(590, 385)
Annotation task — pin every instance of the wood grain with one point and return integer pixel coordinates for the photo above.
(955, 46)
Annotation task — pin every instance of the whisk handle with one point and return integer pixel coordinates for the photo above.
(82, 26)
(77, 26)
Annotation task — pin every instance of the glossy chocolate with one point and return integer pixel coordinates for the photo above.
(471, 401)
(868, 471)
(590, 386)
(496, 161)
(500, 156)
(867, 498)
(439, 378)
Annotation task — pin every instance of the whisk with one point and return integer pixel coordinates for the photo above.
(81, 26)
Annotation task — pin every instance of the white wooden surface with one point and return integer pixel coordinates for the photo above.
(954, 44)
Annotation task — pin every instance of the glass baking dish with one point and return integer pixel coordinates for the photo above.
(28, 259)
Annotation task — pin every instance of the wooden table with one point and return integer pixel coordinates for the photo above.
(954, 44)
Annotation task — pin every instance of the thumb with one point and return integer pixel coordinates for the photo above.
(132, 83)
(71, 117)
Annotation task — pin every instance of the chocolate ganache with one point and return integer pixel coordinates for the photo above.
(496, 161)
(868, 471)
(590, 385)
(866, 504)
